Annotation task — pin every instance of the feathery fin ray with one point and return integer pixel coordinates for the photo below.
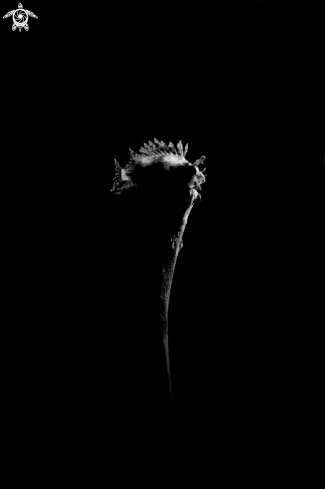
(159, 155)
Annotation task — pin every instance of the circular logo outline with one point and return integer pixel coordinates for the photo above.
(18, 24)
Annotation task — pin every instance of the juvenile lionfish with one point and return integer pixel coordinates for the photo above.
(158, 164)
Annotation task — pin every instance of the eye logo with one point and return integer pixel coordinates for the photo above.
(20, 17)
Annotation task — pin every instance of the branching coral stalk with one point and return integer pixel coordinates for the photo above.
(174, 185)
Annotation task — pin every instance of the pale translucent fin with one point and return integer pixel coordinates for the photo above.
(145, 149)
(172, 147)
(155, 150)
(180, 148)
(163, 146)
(199, 161)
(133, 154)
(160, 144)
(148, 147)
(117, 180)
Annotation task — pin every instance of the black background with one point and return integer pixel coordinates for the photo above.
(241, 85)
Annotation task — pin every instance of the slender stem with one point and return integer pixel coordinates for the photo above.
(167, 273)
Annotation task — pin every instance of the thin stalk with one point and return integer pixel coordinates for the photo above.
(167, 274)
